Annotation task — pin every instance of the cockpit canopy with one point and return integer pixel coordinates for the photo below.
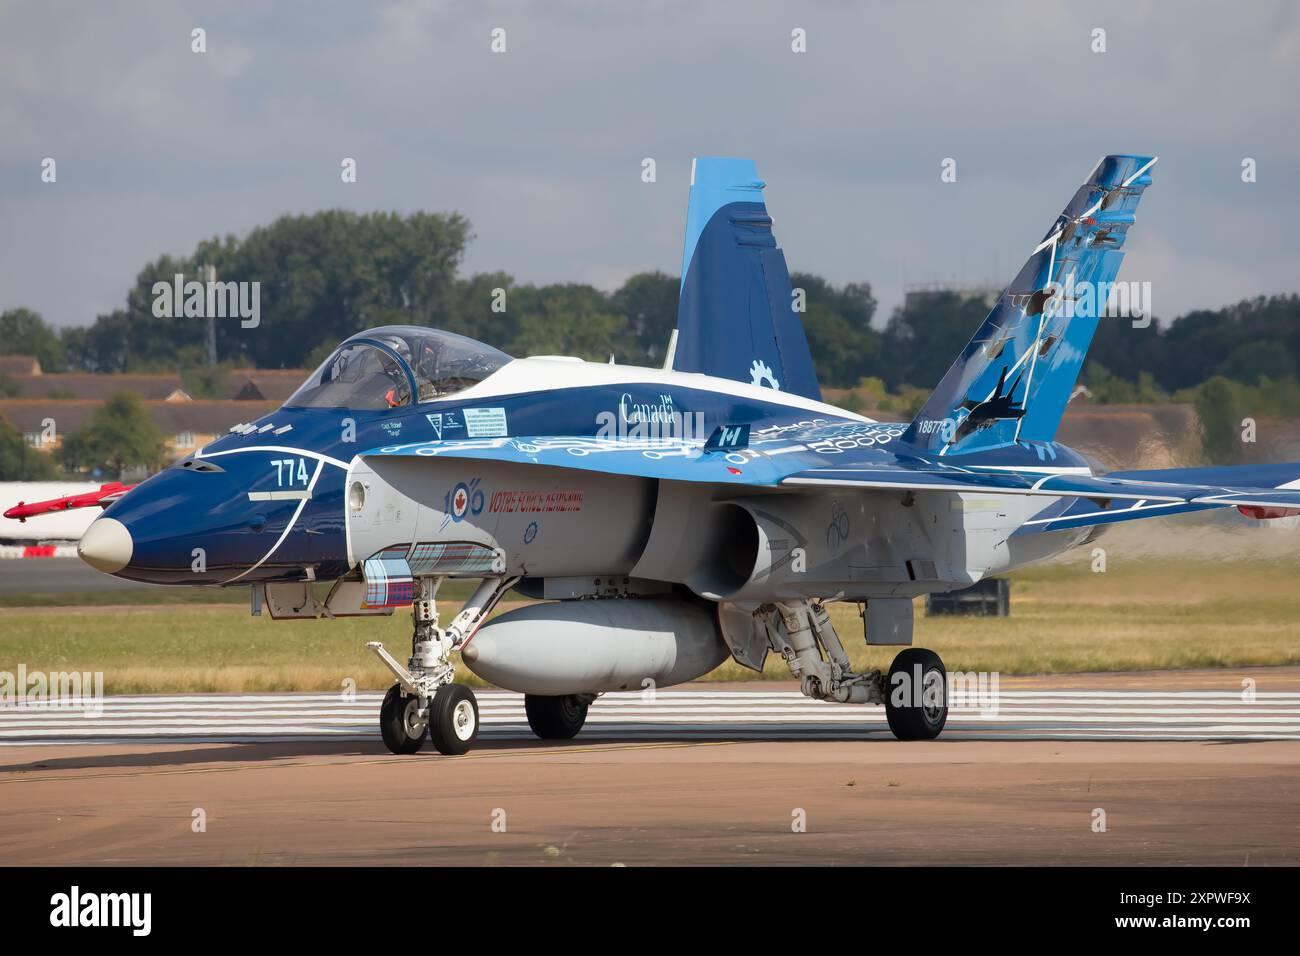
(396, 365)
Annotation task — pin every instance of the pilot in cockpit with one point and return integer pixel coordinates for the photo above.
(399, 393)
(393, 366)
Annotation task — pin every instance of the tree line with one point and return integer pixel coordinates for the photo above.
(327, 275)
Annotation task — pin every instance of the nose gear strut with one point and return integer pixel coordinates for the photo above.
(425, 699)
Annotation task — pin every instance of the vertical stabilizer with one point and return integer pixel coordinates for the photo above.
(1012, 381)
(735, 316)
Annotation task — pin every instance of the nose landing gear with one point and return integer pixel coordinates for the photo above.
(424, 701)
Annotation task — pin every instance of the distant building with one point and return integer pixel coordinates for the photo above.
(19, 365)
(185, 425)
(87, 386)
(50, 405)
(265, 384)
(240, 384)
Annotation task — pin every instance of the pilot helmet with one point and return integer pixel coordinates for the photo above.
(398, 345)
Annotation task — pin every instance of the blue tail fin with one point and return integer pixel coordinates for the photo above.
(735, 317)
(1012, 381)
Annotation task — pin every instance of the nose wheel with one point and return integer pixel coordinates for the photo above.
(450, 720)
(401, 722)
(453, 719)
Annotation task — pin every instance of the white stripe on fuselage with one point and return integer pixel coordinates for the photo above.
(302, 503)
(1035, 470)
(286, 449)
(554, 374)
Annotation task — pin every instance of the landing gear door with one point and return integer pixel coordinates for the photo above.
(288, 601)
(348, 599)
(745, 636)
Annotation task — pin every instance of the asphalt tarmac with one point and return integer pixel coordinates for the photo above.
(1172, 768)
(60, 576)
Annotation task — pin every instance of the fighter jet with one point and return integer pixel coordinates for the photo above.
(663, 519)
(998, 407)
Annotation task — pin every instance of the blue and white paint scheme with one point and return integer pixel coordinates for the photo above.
(737, 317)
(721, 492)
(1012, 381)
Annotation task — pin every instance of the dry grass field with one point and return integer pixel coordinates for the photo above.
(1184, 597)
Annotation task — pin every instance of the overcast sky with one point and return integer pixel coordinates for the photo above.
(541, 147)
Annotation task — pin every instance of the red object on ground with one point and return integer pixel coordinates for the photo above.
(38, 551)
(1263, 514)
(104, 497)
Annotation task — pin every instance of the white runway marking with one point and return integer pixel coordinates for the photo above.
(673, 715)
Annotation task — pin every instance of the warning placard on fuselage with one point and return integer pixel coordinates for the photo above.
(485, 422)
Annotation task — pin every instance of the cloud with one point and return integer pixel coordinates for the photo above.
(541, 147)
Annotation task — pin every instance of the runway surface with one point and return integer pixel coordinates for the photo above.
(1179, 767)
(713, 713)
(61, 575)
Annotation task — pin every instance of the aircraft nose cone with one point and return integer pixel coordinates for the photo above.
(106, 545)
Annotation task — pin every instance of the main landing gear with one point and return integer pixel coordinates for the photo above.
(424, 702)
(557, 718)
(917, 703)
(914, 692)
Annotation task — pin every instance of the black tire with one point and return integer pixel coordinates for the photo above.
(453, 719)
(399, 723)
(555, 718)
(909, 718)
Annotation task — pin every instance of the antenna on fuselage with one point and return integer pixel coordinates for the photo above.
(671, 353)
(210, 338)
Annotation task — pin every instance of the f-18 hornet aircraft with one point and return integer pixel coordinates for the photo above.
(664, 518)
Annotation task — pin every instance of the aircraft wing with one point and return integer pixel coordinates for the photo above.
(1258, 491)
(1265, 491)
(1104, 487)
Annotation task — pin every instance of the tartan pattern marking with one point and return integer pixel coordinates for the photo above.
(450, 558)
(390, 574)
(389, 582)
